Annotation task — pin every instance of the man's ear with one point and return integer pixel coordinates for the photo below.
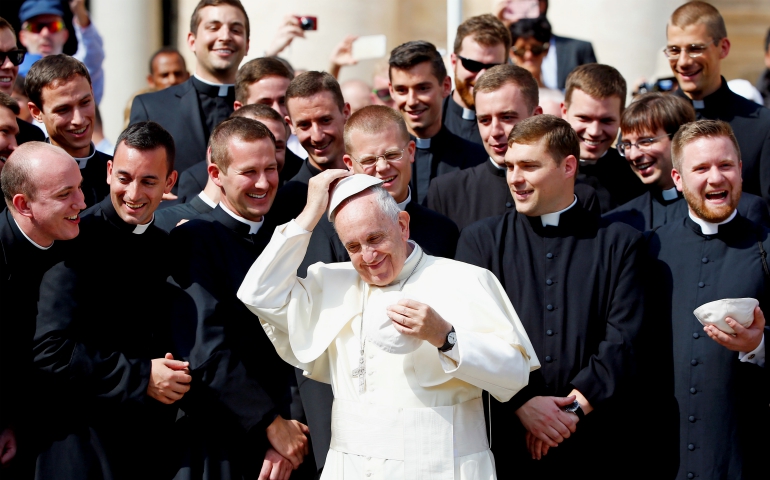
(109, 171)
(21, 205)
(150, 81)
(677, 179)
(348, 161)
(570, 166)
(724, 48)
(537, 111)
(563, 110)
(446, 87)
(346, 110)
(453, 58)
(170, 181)
(191, 41)
(403, 225)
(36, 112)
(411, 147)
(214, 174)
(237, 105)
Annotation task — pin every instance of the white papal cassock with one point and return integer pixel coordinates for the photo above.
(421, 415)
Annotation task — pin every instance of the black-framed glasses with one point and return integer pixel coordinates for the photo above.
(695, 50)
(15, 56)
(474, 66)
(370, 161)
(643, 144)
(536, 50)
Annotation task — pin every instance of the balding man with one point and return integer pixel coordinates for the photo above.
(41, 186)
(357, 93)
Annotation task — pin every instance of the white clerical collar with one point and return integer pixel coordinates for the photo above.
(709, 228)
(223, 87)
(253, 226)
(469, 114)
(140, 229)
(698, 104)
(82, 162)
(670, 194)
(423, 143)
(552, 219)
(207, 200)
(30, 240)
(403, 204)
(497, 165)
(593, 162)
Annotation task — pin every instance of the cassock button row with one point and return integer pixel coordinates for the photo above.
(549, 255)
(704, 260)
(508, 204)
(691, 447)
(549, 282)
(693, 390)
(691, 418)
(696, 335)
(701, 284)
(549, 332)
(690, 475)
(549, 307)
(548, 359)
(693, 362)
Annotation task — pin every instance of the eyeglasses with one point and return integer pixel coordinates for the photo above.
(370, 161)
(383, 94)
(692, 51)
(643, 144)
(536, 50)
(474, 66)
(53, 26)
(15, 56)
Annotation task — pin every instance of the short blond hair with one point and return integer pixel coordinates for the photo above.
(373, 119)
(693, 131)
(700, 13)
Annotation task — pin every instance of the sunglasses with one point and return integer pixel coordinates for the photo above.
(474, 66)
(535, 49)
(383, 94)
(37, 27)
(15, 56)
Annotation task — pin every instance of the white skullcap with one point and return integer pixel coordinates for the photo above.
(739, 309)
(349, 186)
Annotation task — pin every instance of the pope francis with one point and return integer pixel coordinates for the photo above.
(408, 341)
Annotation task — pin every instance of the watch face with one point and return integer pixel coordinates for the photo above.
(572, 408)
(451, 338)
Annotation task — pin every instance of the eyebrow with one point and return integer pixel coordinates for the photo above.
(153, 177)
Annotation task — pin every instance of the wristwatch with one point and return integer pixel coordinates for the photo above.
(449, 343)
(574, 407)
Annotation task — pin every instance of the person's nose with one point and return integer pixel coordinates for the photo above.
(496, 129)
(6, 63)
(261, 182)
(594, 129)
(633, 153)
(80, 200)
(316, 133)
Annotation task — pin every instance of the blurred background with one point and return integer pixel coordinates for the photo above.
(627, 34)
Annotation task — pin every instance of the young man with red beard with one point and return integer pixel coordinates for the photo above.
(720, 380)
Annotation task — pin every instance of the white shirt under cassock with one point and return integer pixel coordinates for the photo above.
(315, 324)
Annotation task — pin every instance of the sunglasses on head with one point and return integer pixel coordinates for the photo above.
(474, 66)
(15, 56)
(37, 27)
(383, 94)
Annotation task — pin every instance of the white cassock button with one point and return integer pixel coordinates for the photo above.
(370, 372)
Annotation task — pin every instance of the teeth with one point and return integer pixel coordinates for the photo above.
(135, 205)
(5, 79)
(78, 132)
(74, 217)
(254, 195)
(386, 180)
(593, 144)
(3, 158)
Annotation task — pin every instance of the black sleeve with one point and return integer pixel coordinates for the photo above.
(189, 186)
(61, 348)
(138, 111)
(434, 197)
(764, 169)
(222, 385)
(325, 246)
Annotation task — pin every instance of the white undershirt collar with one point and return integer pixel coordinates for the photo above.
(593, 162)
(140, 229)
(207, 200)
(423, 143)
(497, 165)
(30, 240)
(709, 228)
(403, 204)
(82, 162)
(552, 219)
(670, 194)
(253, 226)
(469, 114)
(223, 87)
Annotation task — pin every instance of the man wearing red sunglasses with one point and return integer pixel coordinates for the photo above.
(43, 33)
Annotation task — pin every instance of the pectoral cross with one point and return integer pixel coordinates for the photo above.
(360, 372)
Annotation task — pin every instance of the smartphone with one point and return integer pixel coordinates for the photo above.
(369, 46)
(307, 22)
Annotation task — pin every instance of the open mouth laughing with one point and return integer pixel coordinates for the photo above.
(716, 196)
(257, 196)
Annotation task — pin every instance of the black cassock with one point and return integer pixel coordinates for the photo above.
(240, 384)
(102, 317)
(723, 403)
(445, 153)
(22, 266)
(612, 178)
(95, 187)
(578, 291)
(482, 191)
(650, 210)
(751, 126)
(292, 197)
(28, 133)
(460, 121)
(168, 218)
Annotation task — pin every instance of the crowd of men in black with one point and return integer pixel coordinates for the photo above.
(126, 354)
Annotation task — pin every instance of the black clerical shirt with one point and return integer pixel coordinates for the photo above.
(460, 120)
(216, 102)
(612, 178)
(751, 126)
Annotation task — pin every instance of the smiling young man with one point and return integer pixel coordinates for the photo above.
(719, 379)
(239, 411)
(40, 184)
(167, 68)
(647, 126)
(481, 43)
(61, 98)
(101, 347)
(219, 38)
(418, 85)
(696, 44)
(576, 285)
(593, 102)
(9, 129)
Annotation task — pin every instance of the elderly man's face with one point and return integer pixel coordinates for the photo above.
(710, 178)
(376, 245)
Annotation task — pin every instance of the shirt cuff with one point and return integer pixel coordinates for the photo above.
(454, 352)
(293, 229)
(756, 356)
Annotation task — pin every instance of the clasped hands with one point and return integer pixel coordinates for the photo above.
(547, 423)
(289, 445)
